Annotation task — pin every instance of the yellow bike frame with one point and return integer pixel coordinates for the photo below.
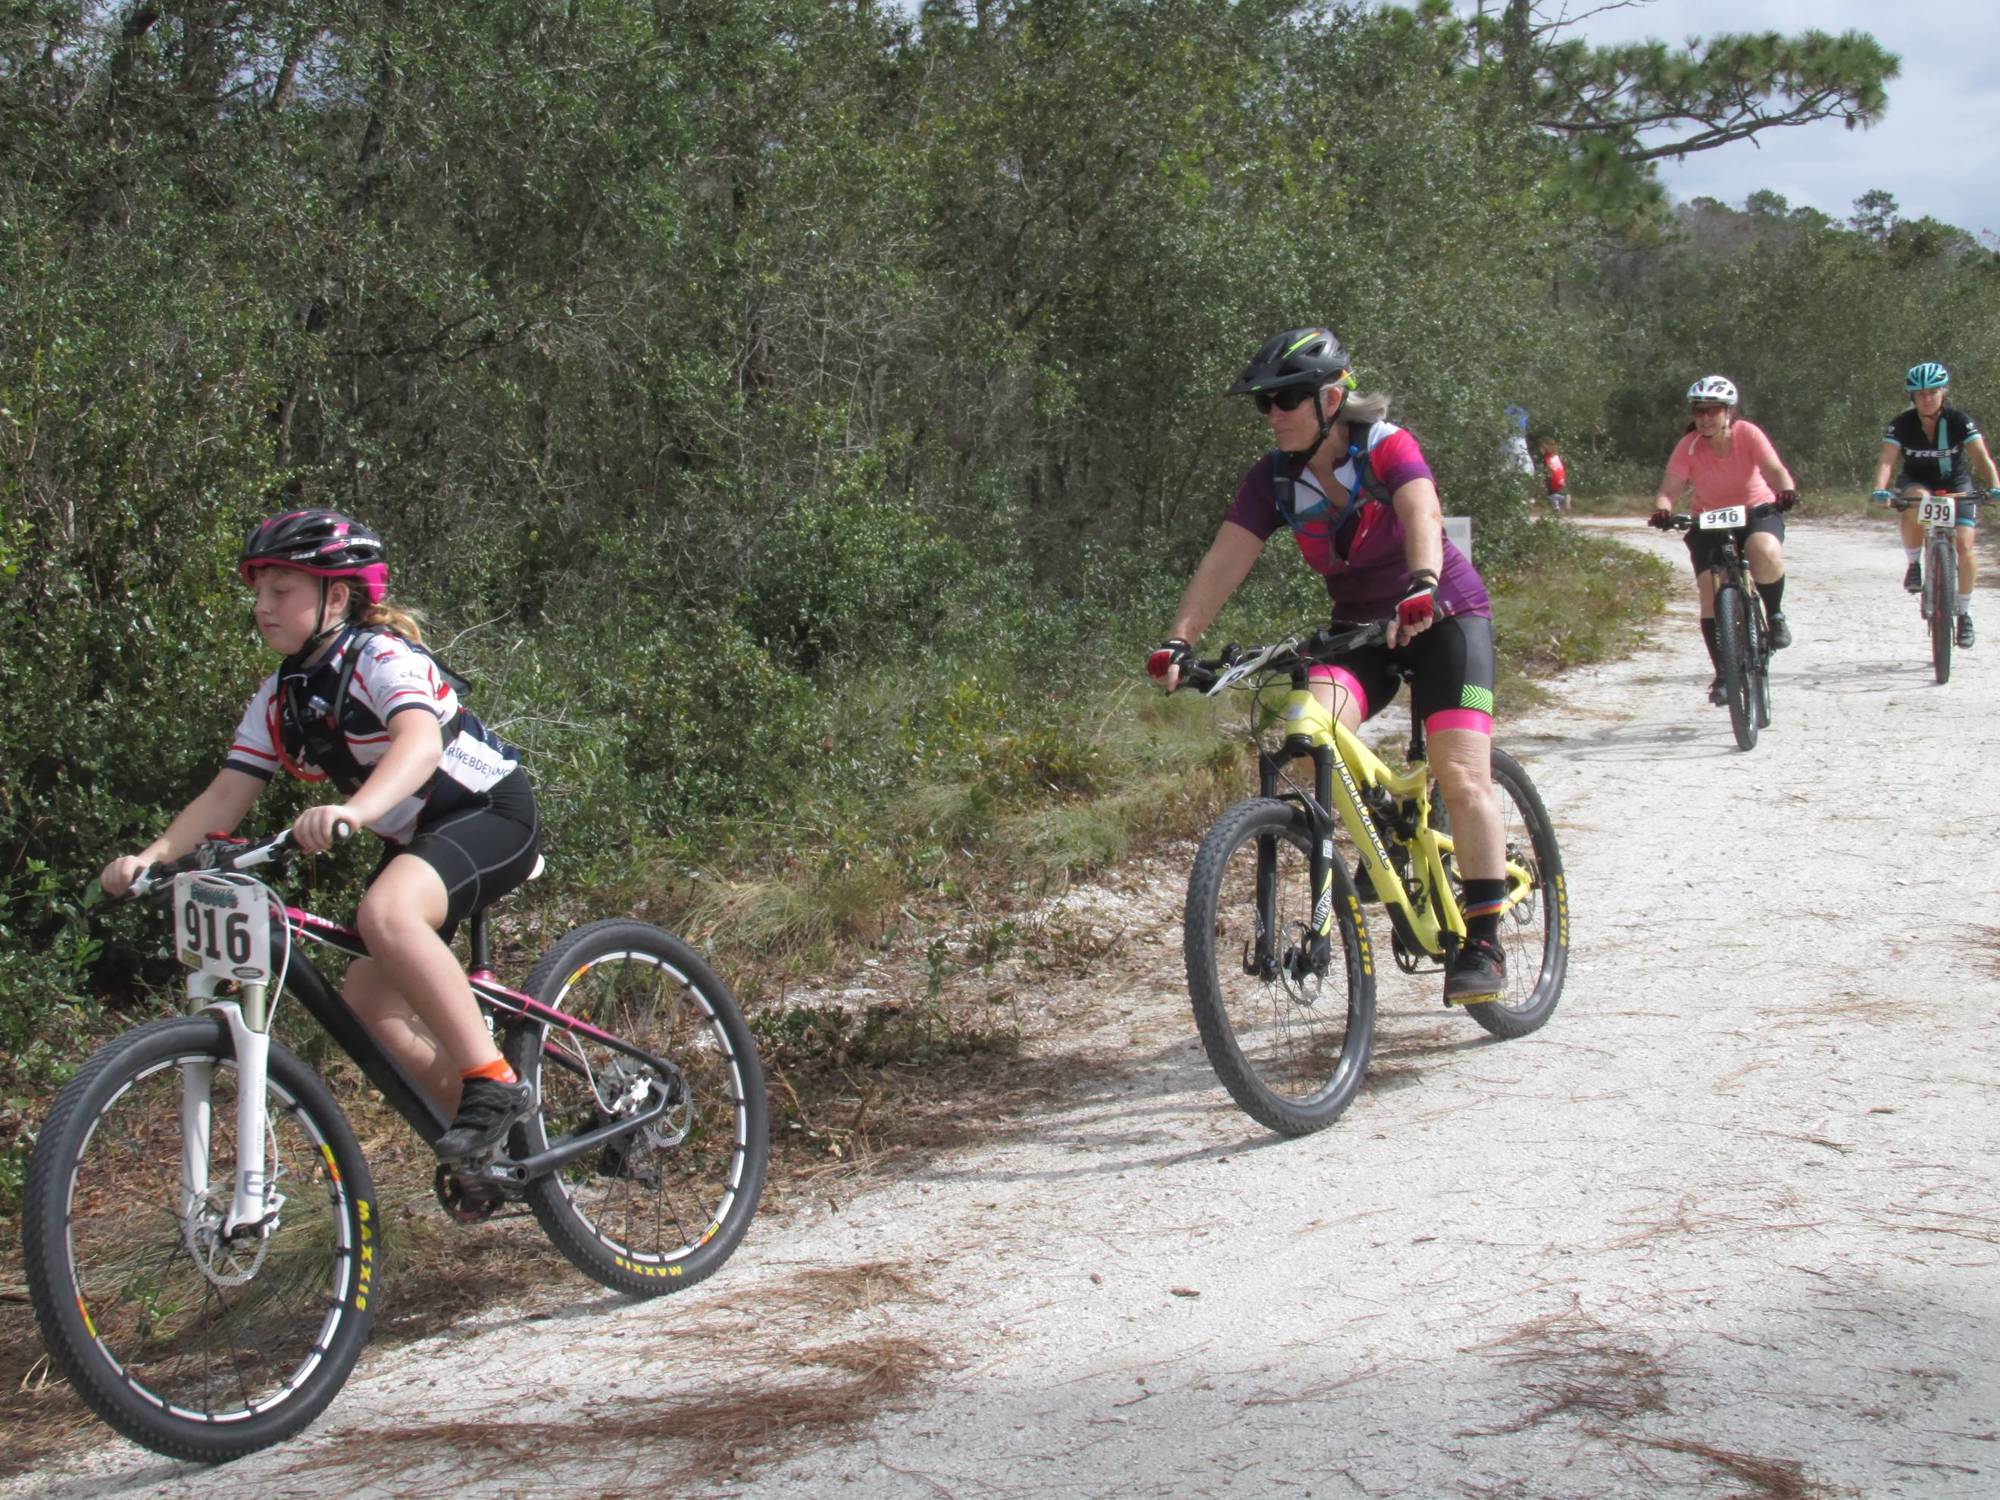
(1427, 921)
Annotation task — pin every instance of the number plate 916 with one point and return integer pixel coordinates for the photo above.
(223, 928)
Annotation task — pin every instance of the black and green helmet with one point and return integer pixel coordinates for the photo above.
(1298, 356)
(1928, 376)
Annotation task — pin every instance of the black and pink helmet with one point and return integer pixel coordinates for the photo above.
(323, 543)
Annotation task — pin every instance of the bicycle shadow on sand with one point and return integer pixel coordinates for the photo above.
(1697, 739)
(1904, 670)
(1146, 1105)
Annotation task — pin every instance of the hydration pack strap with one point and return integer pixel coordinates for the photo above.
(323, 741)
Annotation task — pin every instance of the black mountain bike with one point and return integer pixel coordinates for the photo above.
(1742, 630)
(1938, 600)
(200, 1231)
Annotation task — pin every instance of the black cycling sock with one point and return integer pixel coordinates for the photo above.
(1774, 596)
(1708, 640)
(1483, 899)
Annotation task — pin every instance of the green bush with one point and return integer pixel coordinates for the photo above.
(857, 578)
(711, 726)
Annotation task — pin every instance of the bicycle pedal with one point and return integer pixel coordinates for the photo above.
(1463, 1000)
(467, 1202)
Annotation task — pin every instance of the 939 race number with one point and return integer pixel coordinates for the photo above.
(1937, 510)
(222, 928)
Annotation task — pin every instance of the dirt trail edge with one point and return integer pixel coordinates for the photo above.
(1729, 1225)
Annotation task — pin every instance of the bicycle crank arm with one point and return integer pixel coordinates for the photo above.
(509, 1173)
(1520, 885)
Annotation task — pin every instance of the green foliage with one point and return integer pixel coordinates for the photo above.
(856, 577)
(787, 411)
(710, 722)
(1600, 105)
(1815, 323)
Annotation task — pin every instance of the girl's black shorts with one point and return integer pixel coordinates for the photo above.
(480, 852)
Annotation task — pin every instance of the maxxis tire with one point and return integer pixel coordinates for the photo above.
(113, 1390)
(651, 1271)
(1510, 1019)
(1352, 969)
(1732, 648)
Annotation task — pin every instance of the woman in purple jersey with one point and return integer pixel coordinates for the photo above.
(1359, 499)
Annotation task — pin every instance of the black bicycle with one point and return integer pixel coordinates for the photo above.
(1742, 629)
(200, 1232)
(1938, 511)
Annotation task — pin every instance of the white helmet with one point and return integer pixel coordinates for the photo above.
(1713, 388)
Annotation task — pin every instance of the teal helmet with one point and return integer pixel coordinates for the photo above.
(1928, 376)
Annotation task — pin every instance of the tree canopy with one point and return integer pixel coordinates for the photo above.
(775, 397)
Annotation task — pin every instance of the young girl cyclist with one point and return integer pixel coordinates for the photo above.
(356, 702)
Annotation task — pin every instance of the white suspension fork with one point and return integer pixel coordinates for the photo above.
(253, 1201)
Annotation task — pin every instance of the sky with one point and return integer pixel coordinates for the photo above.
(1937, 148)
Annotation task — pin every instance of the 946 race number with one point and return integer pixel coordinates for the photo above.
(223, 928)
(1727, 518)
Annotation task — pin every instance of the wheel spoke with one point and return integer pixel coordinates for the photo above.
(643, 1213)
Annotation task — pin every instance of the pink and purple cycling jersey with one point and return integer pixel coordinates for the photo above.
(1358, 548)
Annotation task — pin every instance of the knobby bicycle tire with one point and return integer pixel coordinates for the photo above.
(1731, 646)
(194, 1347)
(1758, 644)
(1290, 1047)
(1941, 586)
(1534, 933)
(661, 1209)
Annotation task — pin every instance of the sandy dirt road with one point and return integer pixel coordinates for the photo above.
(1729, 1226)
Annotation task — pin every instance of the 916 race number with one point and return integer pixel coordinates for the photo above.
(222, 928)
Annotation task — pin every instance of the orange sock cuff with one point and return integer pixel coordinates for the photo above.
(497, 1070)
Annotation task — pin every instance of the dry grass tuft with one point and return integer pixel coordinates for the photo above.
(1574, 1364)
(793, 1384)
(1694, 1218)
(1768, 1478)
(1984, 943)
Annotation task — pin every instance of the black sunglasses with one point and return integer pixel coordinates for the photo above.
(1289, 399)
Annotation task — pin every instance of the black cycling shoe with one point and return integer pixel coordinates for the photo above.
(1478, 974)
(1965, 632)
(1717, 693)
(1781, 633)
(487, 1110)
(1913, 577)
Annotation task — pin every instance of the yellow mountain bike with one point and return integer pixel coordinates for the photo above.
(1280, 968)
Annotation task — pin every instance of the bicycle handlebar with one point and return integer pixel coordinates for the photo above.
(1905, 502)
(1236, 662)
(1682, 521)
(220, 853)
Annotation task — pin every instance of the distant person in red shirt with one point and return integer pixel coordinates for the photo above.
(1556, 474)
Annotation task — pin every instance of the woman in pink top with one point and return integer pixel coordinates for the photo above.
(1727, 461)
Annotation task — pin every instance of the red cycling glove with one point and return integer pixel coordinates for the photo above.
(1173, 653)
(1419, 605)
